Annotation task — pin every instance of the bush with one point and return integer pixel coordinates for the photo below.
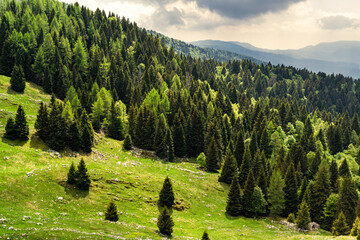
(201, 160)
(291, 218)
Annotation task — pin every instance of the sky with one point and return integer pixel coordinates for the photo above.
(271, 24)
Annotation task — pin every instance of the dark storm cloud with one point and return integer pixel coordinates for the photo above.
(338, 22)
(242, 9)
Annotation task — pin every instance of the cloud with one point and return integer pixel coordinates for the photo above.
(338, 22)
(163, 18)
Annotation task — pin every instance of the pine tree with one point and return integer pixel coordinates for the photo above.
(170, 144)
(239, 148)
(205, 236)
(330, 211)
(262, 181)
(356, 227)
(258, 202)
(57, 135)
(111, 213)
(303, 216)
(165, 222)
(248, 192)
(276, 195)
(229, 168)
(340, 226)
(21, 126)
(212, 154)
(319, 194)
(127, 145)
(86, 140)
(334, 176)
(160, 143)
(348, 198)
(17, 80)
(344, 169)
(72, 174)
(314, 165)
(10, 130)
(166, 195)
(116, 129)
(179, 135)
(234, 206)
(83, 178)
(290, 190)
(75, 142)
(245, 166)
(42, 122)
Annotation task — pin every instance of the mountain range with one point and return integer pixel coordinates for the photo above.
(341, 57)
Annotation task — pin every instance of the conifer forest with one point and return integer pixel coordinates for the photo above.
(281, 144)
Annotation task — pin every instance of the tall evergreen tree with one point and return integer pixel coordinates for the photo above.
(319, 194)
(165, 222)
(75, 142)
(83, 178)
(179, 135)
(258, 202)
(239, 148)
(290, 190)
(42, 122)
(303, 216)
(245, 166)
(21, 125)
(166, 195)
(17, 80)
(340, 226)
(234, 202)
(57, 135)
(248, 192)
(330, 211)
(348, 198)
(229, 168)
(212, 156)
(127, 145)
(160, 144)
(72, 174)
(334, 176)
(344, 169)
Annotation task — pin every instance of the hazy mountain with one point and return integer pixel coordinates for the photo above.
(335, 57)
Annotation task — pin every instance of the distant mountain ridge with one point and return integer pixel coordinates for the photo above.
(334, 57)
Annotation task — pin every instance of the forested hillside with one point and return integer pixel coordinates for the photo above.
(286, 139)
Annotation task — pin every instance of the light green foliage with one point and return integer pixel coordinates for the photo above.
(67, 113)
(276, 194)
(258, 202)
(201, 159)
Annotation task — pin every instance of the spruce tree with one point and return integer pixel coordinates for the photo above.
(72, 174)
(340, 226)
(17, 80)
(42, 122)
(334, 176)
(165, 222)
(276, 195)
(229, 168)
(160, 143)
(10, 130)
(290, 190)
(205, 236)
(262, 181)
(111, 213)
(314, 166)
(75, 142)
(83, 178)
(344, 169)
(234, 204)
(319, 194)
(245, 166)
(330, 211)
(127, 145)
(348, 198)
(212, 157)
(116, 129)
(170, 144)
(258, 202)
(239, 148)
(179, 135)
(57, 135)
(86, 140)
(355, 227)
(248, 192)
(303, 216)
(166, 195)
(21, 126)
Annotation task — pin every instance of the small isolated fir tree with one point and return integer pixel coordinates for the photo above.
(205, 236)
(165, 222)
(303, 216)
(356, 227)
(234, 206)
(229, 168)
(17, 80)
(10, 130)
(71, 174)
(201, 160)
(127, 142)
(83, 178)
(111, 213)
(166, 196)
(340, 226)
(21, 126)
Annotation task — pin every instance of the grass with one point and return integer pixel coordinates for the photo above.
(38, 204)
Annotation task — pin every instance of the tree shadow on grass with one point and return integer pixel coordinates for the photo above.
(73, 191)
(229, 217)
(37, 143)
(18, 143)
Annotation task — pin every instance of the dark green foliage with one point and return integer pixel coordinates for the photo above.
(116, 129)
(42, 122)
(340, 226)
(111, 213)
(72, 174)
(303, 216)
(170, 144)
(205, 236)
(165, 222)
(245, 166)
(212, 156)
(291, 218)
(10, 130)
(314, 166)
(83, 178)
(179, 135)
(258, 202)
(17, 80)
(334, 138)
(239, 148)
(229, 168)
(330, 211)
(86, 140)
(213, 137)
(234, 204)
(57, 129)
(334, 175)
(276, 195)
(290, 190)
(20, 126)
(319, 194)
(166, 195)
(75, 137)
(248, 193)
(262, 181)
(127, 145)
(160, 143)
(344, 169)
(348, 198)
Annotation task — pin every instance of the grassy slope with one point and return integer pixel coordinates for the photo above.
(135, 190)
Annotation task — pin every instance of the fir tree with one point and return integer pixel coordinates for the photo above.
(276, 195)
(239, 148)
(334, 176)
(340, 226)
(245, 166)
(290, 190)
(229, 168)
(212, 154)
(165, 222)
(17, 80)
(160, 143)
(344, 169)
(262, 181)
(303, 216)
(179, 135)
(205, 236)
(166, 195)
(75, 137)
(72, 174)
(348, 198)
(10, 130)
(355, 228)
(234, 206)
(116, 129)
(57, 135)
(83, 178)
(111, 213)
(42, 122)
(319, 194)
(258, 202)
(86, 140)
(330, 211)
(127, 145)
(248, 192)
(170, 144)
(21, 126)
